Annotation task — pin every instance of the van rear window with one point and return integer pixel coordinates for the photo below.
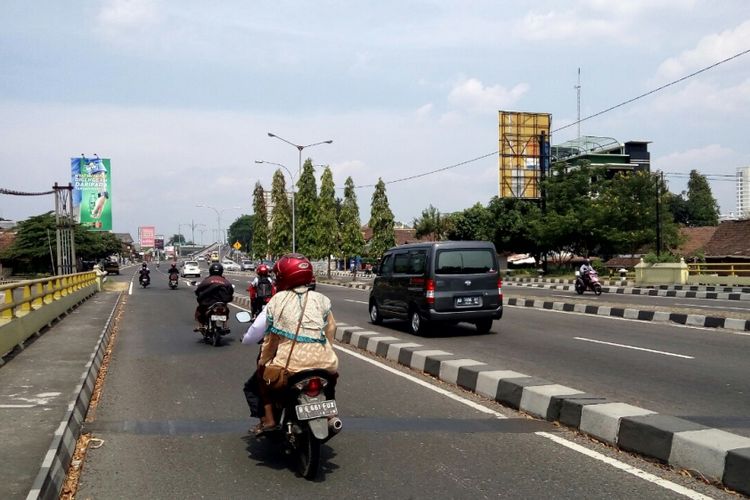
(464, 262)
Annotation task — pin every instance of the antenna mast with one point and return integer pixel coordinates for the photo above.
(578, 92)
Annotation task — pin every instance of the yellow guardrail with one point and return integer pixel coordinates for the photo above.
(26, 306)
(719, 273)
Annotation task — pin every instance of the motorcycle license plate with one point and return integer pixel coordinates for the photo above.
(218, 318)
(316, 410)
(468, 301)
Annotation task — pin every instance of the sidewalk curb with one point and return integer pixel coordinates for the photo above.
(49, 481)
(715, 454)
(649, 292)
(697, 320)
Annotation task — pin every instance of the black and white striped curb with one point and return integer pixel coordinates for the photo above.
(350, 284)
(715, 454)
(697, 320)
(651, 292)
(49, 481)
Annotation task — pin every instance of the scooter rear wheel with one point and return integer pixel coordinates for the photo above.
(308, 455)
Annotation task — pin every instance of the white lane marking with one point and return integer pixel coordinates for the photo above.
(16, 406)
(556, 439)
(130, 288)
(356, 301)
(681, 490)
(238, 307)
(635, 348)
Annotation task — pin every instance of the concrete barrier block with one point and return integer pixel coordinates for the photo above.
(568, 409)
(418, 358)
(579, 308)
(734, 324)
(630, 314)
(737, 470)
(488, 381)
(705, 450)
(449, 369)
(510, 391)
(603, 421)
(661, 316)
(537, 400)
(395, 349)
(696, 320)
(372, 342)
(603, 311)
(651, 435)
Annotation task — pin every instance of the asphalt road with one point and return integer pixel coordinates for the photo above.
(172, 421)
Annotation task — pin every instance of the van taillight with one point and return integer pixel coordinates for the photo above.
(429, 291)
(500, 287)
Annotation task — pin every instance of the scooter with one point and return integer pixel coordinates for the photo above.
(593, 283)
(217, 314)
(174, 278)
(144, 280)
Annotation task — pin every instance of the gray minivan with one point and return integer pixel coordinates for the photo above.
(442, 281)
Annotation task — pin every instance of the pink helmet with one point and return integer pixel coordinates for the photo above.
(262, 270)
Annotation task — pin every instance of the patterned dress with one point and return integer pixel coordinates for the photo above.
(313, 349)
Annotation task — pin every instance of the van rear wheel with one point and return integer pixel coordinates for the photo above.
(417, 325)
(375, 316)
(484, 325)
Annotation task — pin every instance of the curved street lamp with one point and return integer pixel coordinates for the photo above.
(300, 148)
(294, 222)
(218, 218)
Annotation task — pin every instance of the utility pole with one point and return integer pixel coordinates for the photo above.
(578, 93)
(659, 180)
(543, 167)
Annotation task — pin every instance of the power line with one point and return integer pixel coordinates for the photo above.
(674, 82)
(20, 193)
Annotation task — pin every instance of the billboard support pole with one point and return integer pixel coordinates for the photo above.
(64, 223)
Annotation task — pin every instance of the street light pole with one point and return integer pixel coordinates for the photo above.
(294, 222)
(218, 218)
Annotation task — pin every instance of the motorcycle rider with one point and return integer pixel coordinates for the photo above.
(585, 269)
(215, 288)
(261, 288)
(173, 270)
(294, 308)
(144, 273)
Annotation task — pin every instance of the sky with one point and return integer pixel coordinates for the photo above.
(181, 96)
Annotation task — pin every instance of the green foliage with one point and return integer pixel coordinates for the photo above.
(433, 224)
(514, 225)
(381, 222)
(177, 239)
(281, 217)
(665, 257)
(474, 223)
(260, 247)
(307, 208)
(702, 208)
(36, 241)
(242, 230)
(352, 241)
(328, 241)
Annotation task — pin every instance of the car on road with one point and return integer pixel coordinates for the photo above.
(191, 268)
(201, 259)
(438, 282)
(230, 265)
(112, 267)
(248, 265)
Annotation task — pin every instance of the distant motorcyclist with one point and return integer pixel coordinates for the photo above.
(144, 271)
(585, 270)
(215, 288)
(261, 289)
(173, 270)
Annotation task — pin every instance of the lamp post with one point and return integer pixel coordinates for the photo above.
(202, 231)
(218, 217)
(294, 222)
(300, 148)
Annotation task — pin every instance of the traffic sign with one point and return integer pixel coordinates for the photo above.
(237, 245)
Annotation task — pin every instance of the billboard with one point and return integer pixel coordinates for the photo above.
(146, 236)
(520, 158)
(92, 189)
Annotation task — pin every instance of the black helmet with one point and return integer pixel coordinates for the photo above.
(216, 269)
(144, 265)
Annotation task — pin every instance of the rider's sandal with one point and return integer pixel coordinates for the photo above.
(261, 429)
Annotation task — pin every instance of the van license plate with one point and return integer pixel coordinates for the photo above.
(468, 301)
(218, 318)
(316, 410)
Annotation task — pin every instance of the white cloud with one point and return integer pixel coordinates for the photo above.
(707, 97)
(128, 13)
(472, 95)
(424, 112)
(710, 49)
(570, 26)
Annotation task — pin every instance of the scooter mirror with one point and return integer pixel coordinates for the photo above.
(243, 317)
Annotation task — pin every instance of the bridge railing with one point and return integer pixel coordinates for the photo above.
(28, 306)
(719, 273)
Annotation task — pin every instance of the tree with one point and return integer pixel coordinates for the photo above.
(34, 247)
(306, 203)
(327, 220)
(242, 230)
(474, 223)
(177, 239)
(259, 243)
(514, 225)
(432, 223)
(702, 208)
(352, 242)
(381, 221)
(281, 217)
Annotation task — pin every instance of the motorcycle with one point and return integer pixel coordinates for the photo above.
(144, 280)
(306, 414)
(217, 314)
(593, 283)
(174, 278)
